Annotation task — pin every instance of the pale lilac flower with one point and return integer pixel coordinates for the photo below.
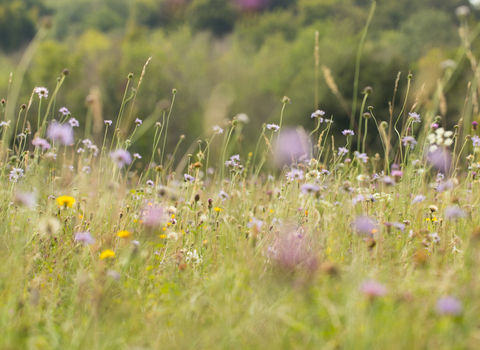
(150, 183)
(15, 174)
(365, 225)
(476, 141)
(113, 274)
(255, 223)
(292, 145)
(73, 122)
(409, 140)
(5, 124)
(136, 155)
(415, 117)
(218, 130)
(153, 215)
(60, 133)
(26, 199)
(399, 226)
(373, 289)
(42, 92)
(273, 127)
(449, 306)
(445, 186)
(223, 195)
(294, 174)
(121, 157)
(108, 122)
(64, 111)
(418, 199)
(434, 126)
(342, 151)
(435, 237)
(454, 212)
(80, 150)
(318, 114)
(361, 156)
(86, 169)
(138, 122)
(187, 177)
(387, 180)
(358, 199)
(235, 158)
(309, 188)
(84, 237)
(292, 250)
(41, 143)
(347, 132)
(87, 143)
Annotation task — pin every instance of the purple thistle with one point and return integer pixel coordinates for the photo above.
(60, 133)
(449, 306)
(121, 157)
(397, 173)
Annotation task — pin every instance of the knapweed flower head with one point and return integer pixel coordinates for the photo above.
(449, 306)
(217, 130)
(373, 289)
(318, 114)
(365, 225)
(73, 123)
(42, 92)
(60, 133)
(414, 117)
(273, 127)
(64, 111)
(454, 212)
(84, 237)
(409, 141)
(121, 157)
(15, 174)
(347, 132)
(474, 125)
(41, 143)
(65, 201)
(107, 254)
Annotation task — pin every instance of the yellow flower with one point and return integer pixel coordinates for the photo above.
(107, 254)
(163, 236)
(65, 201)
(124, 234)
(217, 209)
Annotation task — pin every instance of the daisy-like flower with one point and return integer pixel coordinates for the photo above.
(294, 174)
(415, 117)
(217, 130)
(409, 140)
(108, 122)
(138, 122)
(476, 141)
(41, 143)
(150, 183)
(273, 127)
(309, 188)
(107, 254)
(136, 155)
(65, 201)
(42, 92)
(188, 178)
(60, 133)
(73, 122)
(347, 132)
(64, 111)
(84, 237)
(318, 114)
(342, 151)
(124, 234)
(15, 174)
(121, 157)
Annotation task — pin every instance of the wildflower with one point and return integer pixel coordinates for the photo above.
(399, 226)
(5, 124)
(73, 122)
(138, 122)
(409, 140)
(15, 174)
(26, 199)
(358, 199)
(65, 201)
(136, 155)
(309, 188)
(217, 209)
(121, 157)
(361, 156)
(256, 224)
(150, 183)
(86, 169)
(107, 254)
(87, 143)
(41, 143)
(415, 117)
(84, 237)
(193, 257)
(223, 195)
(187, 177)
(294, 174)
(273, 127)
(108, 122)
(418, 199)
(347, 132)
(292, 251)
(342, 151)
(153, 215)
(218, 130)
(373, 289)
(318, 114)
(124, 234)
(113, 274)
(433, 208)
(449, 306)
(60, 133)
(64, 111)
(434, 126)
(462, 11)
(476, 141)
(365, 225)
(242, 118)
(41, 91)
(435, 236)
(292, 145)
(397, 173)
(454, 212)
(474, 125)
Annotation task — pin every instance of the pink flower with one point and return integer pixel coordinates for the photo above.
(373, 289)
(60, 133)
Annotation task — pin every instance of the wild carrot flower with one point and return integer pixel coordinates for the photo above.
(60, 133)
(121, 157)
(41, 91)
(65, 201)
(107, 254)
(449, 306)
(41, 143)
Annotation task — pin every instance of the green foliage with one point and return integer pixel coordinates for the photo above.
(216, 15)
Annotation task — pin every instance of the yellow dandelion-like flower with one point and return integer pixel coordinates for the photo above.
(163, 236)
(65, 201)
(217, 209)
(107, 254)
(124, 234)
(173, 216)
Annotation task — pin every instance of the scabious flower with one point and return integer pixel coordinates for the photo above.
(86, 169)
(294, 174)
(187, 177)
(415, 117)
(347, 132)
(136, 155)
(138, 122)
(476, 141)
(217, 130)
(309, 188)
(361, 156)
(365, 225)
(15, 174)
(223, 195)
(418, 199)
(150, 183)
(41, 91)
(153, 215)
(358, 199)
(65, 201)
(64, 111)
(73, 122)
(342, 151)
(318, 114)
(108, 122)
(255, 223)
(121, 157)
(273, 127)
(454, 212)
(41, 143)
(373, 289)
(449, 306)
(409, 140)
(292, 250)
(60, 133)
(26, 199)
(84, 237)
(399, 226)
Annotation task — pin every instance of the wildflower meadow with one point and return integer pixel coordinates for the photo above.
(304, 239)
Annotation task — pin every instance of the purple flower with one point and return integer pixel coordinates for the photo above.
(255, 223)
(84, 237)
(397, 173)
(153, 215)
(223, 195)
(434, 126)
(86, 169)
(150, 183)
(64, 111)
(108, 122)
(445, 186)
(348, 132)
(136, 155)
(361, 156)
(387, 180)
(409, 140)
(342, 151)
(418, 199)
(187, 177)
(294, 174)
(292, 145)
(273, 127)
(26, 199)
(251, 5)
(415, 117)
(60, 133)
(454, 212)
(41, 143)
(73, 122)
(113, 274)
(399, 226)
(292, 250)
(317, 114)
(218, 130)
(42, 92)
(474, 125)
(358, 199)
(373, 289)
(449, 306)
(365, 225)
(121, 157)
(309, 188)
(476, 141)
(138, 122)
(440, 160)
(15, 174)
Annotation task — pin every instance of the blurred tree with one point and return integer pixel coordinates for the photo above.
(218, 16)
